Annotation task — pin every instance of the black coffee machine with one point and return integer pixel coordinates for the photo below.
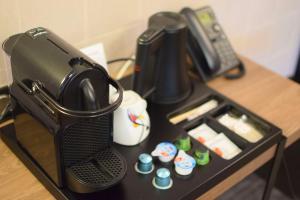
(61, 110)
(160, 68)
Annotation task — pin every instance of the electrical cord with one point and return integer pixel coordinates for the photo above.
(4, 94)
(4, 90)
(229, 76)
(4, 112)
(119, 60)
(237, 75)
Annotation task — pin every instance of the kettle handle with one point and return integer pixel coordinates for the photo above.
(55, 108)
(149, 42)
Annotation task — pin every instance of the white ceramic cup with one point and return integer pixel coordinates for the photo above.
(131, 120)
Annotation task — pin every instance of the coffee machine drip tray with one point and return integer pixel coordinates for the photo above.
(101, 171)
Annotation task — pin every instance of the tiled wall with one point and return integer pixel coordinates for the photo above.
(268, 31)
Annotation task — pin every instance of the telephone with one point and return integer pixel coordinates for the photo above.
(208, 47)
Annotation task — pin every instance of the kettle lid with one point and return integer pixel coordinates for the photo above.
(170, 21)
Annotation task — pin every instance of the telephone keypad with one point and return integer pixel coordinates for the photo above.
(211, 44)
(219, 40)
(226, 53)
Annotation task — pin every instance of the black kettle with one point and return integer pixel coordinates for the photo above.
(160, 68)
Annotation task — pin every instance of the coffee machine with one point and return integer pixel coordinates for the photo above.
(160, 68)
(63, 119)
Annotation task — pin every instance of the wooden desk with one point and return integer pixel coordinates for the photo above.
(267, 94)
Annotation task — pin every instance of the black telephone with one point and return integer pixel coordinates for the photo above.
(208, 47)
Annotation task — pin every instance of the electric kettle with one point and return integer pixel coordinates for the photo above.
(160, 67)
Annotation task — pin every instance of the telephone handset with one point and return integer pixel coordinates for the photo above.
(208, 46)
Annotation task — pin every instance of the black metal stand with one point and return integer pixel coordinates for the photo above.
(202, 179)
(275, 168)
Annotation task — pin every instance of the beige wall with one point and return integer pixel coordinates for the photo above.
(267, 31)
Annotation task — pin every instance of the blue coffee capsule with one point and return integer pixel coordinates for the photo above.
(144, 164)
(162, 179)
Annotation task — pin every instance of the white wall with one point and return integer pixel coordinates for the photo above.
(267, 31)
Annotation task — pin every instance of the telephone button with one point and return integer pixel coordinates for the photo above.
(216, 28)
(223, 36)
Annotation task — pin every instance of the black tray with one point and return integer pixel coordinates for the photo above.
(137, 186)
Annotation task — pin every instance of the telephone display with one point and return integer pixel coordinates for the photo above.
(208, 47)
(205, 18)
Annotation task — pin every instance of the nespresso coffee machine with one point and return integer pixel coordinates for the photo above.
(61, 110)
(160, 70)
